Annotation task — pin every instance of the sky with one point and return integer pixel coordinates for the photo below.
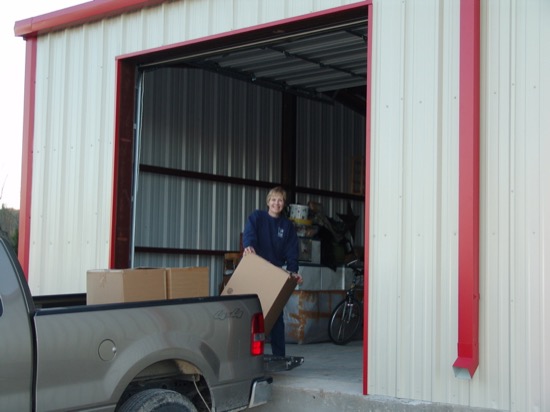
(12, 72)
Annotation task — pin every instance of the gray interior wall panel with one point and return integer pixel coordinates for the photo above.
(189, 214)
(209, 124)
(199, 121)
(328, 137)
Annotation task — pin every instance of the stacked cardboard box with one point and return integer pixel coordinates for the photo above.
(136, 285)
(190, 282)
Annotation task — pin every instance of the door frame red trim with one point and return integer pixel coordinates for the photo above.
(27, 154)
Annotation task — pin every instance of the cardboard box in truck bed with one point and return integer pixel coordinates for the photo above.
(125, 285)
(135, 285)
(190, 282)
(273, 286)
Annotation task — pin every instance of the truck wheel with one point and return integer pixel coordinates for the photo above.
(158, 400)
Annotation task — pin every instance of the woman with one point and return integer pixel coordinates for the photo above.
(272, 236)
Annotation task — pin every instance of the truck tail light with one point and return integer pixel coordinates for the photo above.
(257, 335)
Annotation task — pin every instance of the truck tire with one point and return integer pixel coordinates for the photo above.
(158, 400)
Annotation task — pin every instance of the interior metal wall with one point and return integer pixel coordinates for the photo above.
(199, 121)
(326, 145)
(329, 137)
(202, 122)
(414, 217)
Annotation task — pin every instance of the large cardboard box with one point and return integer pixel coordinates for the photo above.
(273, 286)
(125, 285)
(189, 282)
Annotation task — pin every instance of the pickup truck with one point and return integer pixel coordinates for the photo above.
(199, 354)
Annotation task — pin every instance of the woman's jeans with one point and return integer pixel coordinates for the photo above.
(278, 337)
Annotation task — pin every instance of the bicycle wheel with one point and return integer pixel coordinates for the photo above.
(345, 321)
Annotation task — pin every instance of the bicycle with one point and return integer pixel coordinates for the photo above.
(347, 316)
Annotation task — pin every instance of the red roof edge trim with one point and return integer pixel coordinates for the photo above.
(77, 15)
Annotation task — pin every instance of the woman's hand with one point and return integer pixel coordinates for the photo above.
(249, 250)
(298, 278)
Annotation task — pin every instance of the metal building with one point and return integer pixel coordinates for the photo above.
(153, 127)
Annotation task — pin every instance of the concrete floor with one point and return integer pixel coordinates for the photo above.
(326, 366)
(331, 380)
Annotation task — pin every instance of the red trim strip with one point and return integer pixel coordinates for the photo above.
(468, 218)
(27, 155)
(79, 14)
(368, 163)
(121, 224)
(116, 155)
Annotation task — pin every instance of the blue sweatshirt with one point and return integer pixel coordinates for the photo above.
(272, 238)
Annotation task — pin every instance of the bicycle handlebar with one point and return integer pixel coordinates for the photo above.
(356, 264)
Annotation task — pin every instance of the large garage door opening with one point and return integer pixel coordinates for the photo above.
(220, 122)
(216, 129)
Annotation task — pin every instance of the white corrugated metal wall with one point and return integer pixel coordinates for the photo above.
(414, 216)
(414, 198)
(515, 199)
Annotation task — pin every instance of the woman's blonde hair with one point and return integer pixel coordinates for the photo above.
(276, 191)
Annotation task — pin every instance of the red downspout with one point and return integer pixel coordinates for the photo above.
(468, 215)
(370, 17)
(27, 155)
